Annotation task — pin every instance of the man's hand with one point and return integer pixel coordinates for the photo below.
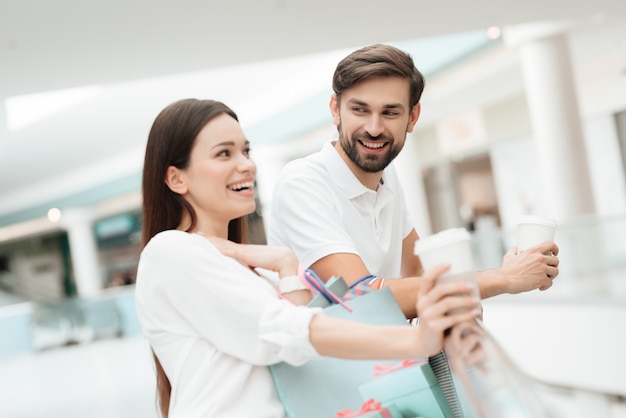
(534, 268)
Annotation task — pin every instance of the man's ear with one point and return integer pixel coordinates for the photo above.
(334, 109)
(174, 180)
(413, 117)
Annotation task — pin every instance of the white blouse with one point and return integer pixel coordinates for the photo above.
(215, 326)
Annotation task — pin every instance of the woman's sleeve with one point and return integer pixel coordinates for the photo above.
(226, 303)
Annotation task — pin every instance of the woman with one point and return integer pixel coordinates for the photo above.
(206, 300)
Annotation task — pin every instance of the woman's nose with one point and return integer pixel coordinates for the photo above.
(246, 163)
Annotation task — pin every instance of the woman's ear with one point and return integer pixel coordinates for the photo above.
(174, 180)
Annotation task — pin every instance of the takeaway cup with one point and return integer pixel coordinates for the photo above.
(453, 247)
(533, 230)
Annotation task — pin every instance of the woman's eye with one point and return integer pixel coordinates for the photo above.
(246, 152)
(224, 153)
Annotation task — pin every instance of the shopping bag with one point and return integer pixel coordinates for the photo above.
(335, 290)
(450, 386)
(323, 386)
(371, 408)
(411, 386)
(336, 286)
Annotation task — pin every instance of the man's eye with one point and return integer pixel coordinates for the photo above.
(358, 109)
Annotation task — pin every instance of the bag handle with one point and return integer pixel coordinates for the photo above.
(317, 285)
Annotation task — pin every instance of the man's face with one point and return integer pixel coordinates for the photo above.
(373, 119)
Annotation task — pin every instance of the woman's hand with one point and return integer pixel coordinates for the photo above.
(441, 306)
(465, 344)
(279, 259)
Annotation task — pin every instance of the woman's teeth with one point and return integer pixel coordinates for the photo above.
(241, 186)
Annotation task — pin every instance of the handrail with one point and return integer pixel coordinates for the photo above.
(611, 396)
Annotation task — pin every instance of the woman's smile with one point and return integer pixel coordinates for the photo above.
(243, 187)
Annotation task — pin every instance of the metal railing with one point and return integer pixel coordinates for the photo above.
(74, 321)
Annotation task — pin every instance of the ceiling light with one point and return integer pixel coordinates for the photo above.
(494, 32)
(54, 215)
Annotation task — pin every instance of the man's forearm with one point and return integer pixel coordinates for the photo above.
(491, 283)
(405, 291)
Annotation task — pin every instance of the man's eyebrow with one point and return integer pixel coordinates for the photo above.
(357, 102)
(394, 106)
(364, 104)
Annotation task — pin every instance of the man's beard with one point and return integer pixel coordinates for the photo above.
(370, 163)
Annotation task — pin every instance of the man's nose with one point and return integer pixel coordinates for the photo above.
(374, 126)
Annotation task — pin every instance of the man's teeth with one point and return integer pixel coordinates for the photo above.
(241, 186)
(373, 144)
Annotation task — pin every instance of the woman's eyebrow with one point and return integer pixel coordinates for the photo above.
(224, 144)
(229, 144)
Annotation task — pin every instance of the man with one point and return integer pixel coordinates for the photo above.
(342, 209)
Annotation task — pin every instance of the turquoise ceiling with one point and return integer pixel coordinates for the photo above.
(430, 55)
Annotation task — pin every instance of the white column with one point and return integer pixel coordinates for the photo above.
(4, 133)
(554, 114)
(412, 181)
(83, 251)
(559, 140)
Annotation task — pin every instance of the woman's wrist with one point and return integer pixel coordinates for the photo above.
(289, 265)
(290, 284)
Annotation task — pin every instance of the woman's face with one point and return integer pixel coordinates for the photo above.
(219, 181)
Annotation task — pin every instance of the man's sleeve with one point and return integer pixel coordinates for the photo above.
(305, 219)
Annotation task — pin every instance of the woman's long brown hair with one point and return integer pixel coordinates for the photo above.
(170, 142)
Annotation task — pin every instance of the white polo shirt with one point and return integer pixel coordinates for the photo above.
(320, 208)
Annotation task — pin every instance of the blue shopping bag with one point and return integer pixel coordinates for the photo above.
(323, 386)
(411, 386)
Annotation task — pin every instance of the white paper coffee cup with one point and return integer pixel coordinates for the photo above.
(453, 247)
(533, 230)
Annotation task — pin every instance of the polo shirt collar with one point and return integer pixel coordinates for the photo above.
(338, 169)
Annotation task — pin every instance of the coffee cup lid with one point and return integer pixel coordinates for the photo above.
(441, 239)
(537, 220)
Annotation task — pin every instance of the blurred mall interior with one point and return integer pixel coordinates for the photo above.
(524, 113)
